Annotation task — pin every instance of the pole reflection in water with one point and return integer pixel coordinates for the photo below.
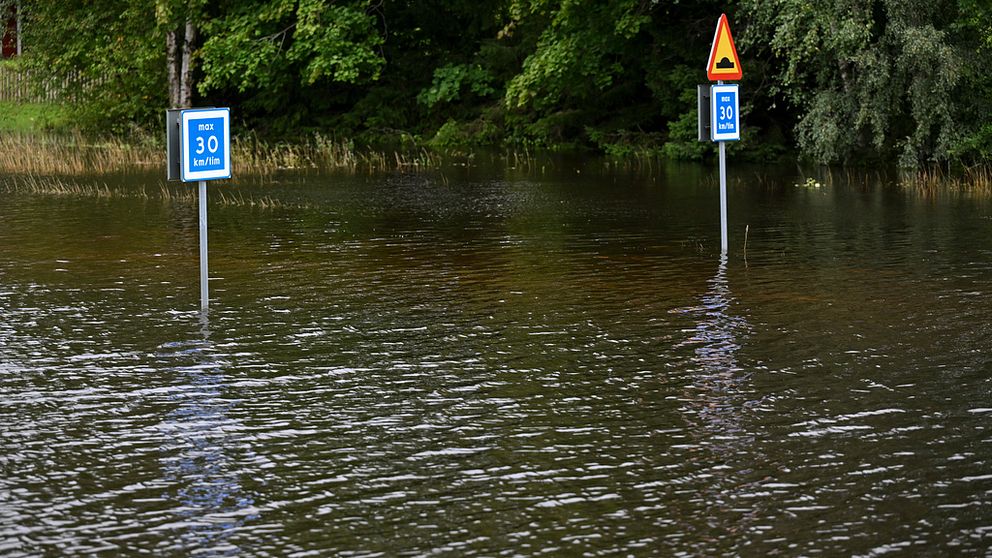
(718, 382)
(717, 401)
(209, 500)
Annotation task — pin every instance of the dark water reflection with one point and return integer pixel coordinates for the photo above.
(500, 362)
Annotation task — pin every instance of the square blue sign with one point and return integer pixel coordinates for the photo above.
(205, 144)
(725, 105)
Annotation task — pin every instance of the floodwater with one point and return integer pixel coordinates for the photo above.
(499, 361)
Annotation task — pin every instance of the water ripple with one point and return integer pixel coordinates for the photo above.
(496, 367)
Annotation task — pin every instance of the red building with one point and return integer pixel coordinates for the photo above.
(10, 46)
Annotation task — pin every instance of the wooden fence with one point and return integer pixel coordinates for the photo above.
(17, 84)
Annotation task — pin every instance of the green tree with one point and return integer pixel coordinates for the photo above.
(107, 58)
(181, 22)
(287, 63)
(123, 61)
(445, 61)
(259, 45)
(975, 26)
(586, 51)
(879, 77)
(844, 79)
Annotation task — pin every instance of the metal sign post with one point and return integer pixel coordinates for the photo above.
(719, 109)
(199, 149)
(204, 294)
(724, 242)
(724, 105)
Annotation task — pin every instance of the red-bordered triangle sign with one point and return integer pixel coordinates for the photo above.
(724, 64)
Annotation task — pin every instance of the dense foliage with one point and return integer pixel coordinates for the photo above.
(839, 80)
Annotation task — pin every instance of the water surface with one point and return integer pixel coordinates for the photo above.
(499, 361)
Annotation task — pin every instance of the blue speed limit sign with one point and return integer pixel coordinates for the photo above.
(206, 144)
(725, 120)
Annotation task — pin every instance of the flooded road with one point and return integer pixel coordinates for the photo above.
(499, 362)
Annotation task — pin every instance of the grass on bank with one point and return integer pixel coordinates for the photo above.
(31, 118)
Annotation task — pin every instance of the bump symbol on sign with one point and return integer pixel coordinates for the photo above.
(723, 63)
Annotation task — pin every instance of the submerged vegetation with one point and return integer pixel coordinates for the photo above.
(931, 180)
(83, 188)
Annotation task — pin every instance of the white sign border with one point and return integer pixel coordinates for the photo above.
(189, 175)
(714, 91)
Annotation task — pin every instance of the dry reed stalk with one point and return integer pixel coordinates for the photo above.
(71, 155)
(74, 155)
(933, 181)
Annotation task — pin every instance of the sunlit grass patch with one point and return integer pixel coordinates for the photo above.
(25, 118)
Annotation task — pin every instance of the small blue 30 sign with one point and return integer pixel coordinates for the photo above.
(206, 144)
(724, 109)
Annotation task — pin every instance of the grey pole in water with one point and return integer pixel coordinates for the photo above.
(724, 244)
(203, 245)
(723, 197)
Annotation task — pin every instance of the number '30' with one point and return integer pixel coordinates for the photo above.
(211, 144)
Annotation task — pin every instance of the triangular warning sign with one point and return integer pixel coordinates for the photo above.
(724, 64)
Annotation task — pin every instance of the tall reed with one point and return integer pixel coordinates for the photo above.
(929, 181)
(74, 154)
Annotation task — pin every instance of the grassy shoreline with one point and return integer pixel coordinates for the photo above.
(77, 155)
